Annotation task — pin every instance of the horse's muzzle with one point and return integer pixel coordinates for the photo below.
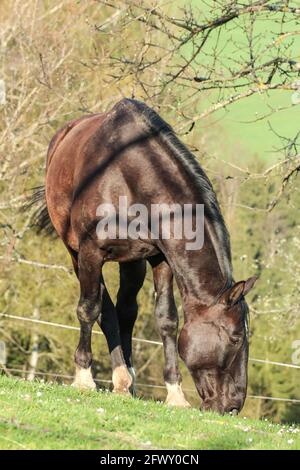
(221, 408)
(218, 392)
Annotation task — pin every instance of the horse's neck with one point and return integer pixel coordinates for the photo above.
(198, 274)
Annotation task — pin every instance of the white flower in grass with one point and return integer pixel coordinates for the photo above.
(27, 397)
(290, 441)
(101, 410)
(39, 394)
(147, 443)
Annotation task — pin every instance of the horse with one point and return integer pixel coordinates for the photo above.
(131, 151)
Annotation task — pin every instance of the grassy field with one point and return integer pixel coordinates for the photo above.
(45, 416)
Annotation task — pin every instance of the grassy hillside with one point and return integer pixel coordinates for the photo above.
(44, 416)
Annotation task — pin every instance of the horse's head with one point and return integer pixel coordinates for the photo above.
(214, 347)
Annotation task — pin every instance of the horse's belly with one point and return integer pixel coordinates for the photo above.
(126, 250)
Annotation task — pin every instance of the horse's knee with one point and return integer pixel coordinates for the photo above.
(88, 310)
(168, 326)
(166, 315)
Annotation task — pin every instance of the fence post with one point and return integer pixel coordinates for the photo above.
(34, 357)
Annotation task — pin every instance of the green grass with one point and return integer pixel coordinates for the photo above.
(44, 416)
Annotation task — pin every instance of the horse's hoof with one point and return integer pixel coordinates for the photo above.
(125, 392)
(178, 403)
(176, 396)
(84, 387)
(122, 381)
(83, 379)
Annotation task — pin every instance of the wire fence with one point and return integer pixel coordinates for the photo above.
(142, 340)
(55, 376)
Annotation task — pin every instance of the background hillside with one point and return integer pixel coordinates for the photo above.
(61, 59)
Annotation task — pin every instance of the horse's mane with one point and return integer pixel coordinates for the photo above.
(214, 219)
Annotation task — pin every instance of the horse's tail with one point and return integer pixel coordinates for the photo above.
(40, 218)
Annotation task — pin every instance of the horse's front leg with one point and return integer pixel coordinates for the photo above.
(167, 322)
(90, 263)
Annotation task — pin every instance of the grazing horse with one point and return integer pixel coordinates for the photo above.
(131, 151)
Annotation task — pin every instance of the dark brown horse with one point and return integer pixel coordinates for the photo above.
(130, 151)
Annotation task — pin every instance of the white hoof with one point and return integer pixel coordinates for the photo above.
(84, 379)
(122, 380)
(176, 396)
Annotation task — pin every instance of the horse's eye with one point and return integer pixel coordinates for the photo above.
(235, 339)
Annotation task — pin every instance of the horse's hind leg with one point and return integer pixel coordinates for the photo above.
(89, 307)
(109, 324)
(167, 323)
(132, 275)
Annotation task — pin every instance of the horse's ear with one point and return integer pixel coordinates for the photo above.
(234, 294)
(249, 284)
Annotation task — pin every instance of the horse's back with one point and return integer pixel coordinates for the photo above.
(96, 159)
